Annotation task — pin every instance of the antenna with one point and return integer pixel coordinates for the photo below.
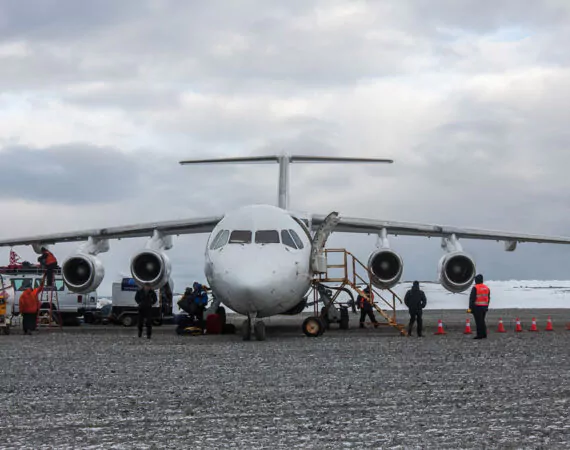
(284, 161)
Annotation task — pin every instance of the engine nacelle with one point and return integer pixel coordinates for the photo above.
(151, 266)
(82, 273)
(456, 271)
(386, 268)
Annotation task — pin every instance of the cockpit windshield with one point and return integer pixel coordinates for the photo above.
(266, 237)
(240, 237)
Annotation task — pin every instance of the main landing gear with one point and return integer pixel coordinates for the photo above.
(253, 327)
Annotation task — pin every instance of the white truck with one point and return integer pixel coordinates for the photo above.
(124, 308)
(71, 305)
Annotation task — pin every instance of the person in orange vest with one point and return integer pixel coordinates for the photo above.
(29, 307)
(49, 262)
(366, 308)
(479, 305)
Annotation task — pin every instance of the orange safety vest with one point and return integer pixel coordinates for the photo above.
(363, 299)
(482, 295)
(50, 259)
(29, 303)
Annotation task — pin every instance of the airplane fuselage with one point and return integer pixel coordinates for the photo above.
(258, 261)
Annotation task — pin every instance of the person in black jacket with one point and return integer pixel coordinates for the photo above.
(146, 299)
(416, 301)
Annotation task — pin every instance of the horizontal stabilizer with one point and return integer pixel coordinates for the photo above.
(335, 159)
(284, 161)
(247, 159)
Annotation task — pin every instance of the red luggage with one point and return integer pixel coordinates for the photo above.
(213, 324)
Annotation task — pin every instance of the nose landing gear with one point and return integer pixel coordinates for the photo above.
(253, 327)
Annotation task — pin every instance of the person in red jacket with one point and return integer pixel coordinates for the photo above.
(29, 307)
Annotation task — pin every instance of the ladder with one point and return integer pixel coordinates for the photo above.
(356, 275)
(49, 315)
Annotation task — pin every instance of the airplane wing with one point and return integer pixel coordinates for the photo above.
(372, 226)
(174, 227)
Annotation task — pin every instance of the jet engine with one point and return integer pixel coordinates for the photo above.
(82, 273)
(456, 271)
(386, 268)
(151, 266)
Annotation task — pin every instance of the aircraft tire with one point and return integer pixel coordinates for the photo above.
(259, 330)
(246, 330)
(313, 326)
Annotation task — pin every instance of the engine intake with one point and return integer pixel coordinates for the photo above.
(82, 273)
(386, 268)
(456, 271)
(151, 266)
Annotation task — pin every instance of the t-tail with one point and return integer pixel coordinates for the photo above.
(284, 162)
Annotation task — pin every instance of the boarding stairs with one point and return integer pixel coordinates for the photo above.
(351, 272)
(49, 315)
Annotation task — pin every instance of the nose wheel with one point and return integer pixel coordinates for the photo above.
(251, 328)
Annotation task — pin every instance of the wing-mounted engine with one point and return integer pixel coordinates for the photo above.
(385, 265)
(151, 265)
(456, 269)
(83, 272)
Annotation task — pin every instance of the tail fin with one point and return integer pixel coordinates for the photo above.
(284, 161)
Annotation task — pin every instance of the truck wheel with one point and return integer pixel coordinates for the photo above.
(128, 320)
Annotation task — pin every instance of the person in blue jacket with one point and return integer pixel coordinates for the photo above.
(201, 301)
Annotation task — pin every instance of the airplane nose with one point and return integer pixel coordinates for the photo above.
(250, 285)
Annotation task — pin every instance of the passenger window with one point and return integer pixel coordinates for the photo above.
(60, 286)
(220, 240)
(296, 238)
(240, 237)
(287, 239)
(21, 284)
(267, 237)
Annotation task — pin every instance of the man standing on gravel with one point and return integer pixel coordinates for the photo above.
(416, 301)
(479, 305)
(145, 298)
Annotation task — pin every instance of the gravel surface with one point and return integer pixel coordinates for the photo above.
(102, 387)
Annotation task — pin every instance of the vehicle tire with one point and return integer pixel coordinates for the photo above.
(259, 330)
(7, 330)
(313, 326)
(128, 320)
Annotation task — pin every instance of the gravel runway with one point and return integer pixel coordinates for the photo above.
(102, 387)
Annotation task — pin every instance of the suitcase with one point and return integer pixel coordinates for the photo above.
(214, 324)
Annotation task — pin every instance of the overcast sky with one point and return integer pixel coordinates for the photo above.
(100, 100)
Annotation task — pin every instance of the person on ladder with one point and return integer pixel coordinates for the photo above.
(146, 299)
(366, 308)
(29, 307)
(48, 262)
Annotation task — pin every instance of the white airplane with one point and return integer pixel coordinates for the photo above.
(260, 259)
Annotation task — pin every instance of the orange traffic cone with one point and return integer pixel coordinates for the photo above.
(568, 326)
(518, 327)
(549, 326)
(440, 327)
(533, 326)
(501, 328)
(467, 327)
